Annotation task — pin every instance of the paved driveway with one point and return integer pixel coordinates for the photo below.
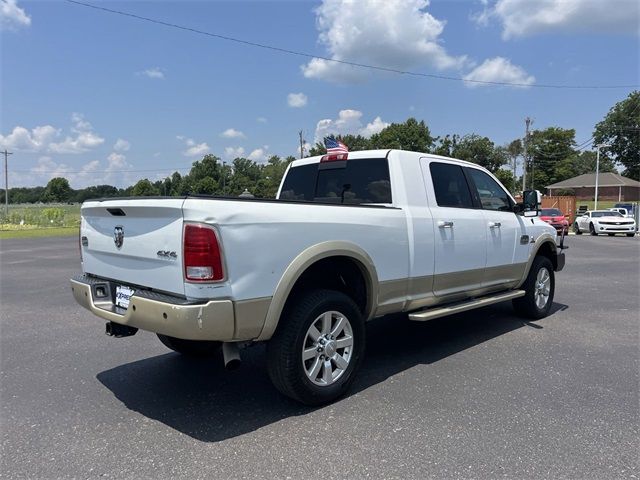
(482, 394)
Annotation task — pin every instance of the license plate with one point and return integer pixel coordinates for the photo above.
(123, 295)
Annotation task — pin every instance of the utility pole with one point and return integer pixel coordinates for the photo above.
(224, 179)
(301, 144)
(595, 197)
(6, 182)
(528, 122)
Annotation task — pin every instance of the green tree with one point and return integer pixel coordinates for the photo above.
(244, 174)
(506, 178)
(446, 145)
(144, 188)
(206, 185)
(546, 150)
(479, 150)
(271, 175)
(621, 130)
(410, 135)
(58, 190)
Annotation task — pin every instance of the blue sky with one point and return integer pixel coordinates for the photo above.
(102, 98)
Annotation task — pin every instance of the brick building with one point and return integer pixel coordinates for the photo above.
(611, 186)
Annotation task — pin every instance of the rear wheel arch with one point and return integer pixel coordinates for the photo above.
(334, 265)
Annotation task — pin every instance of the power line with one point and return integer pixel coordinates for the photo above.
(333, 60)
(64, 172)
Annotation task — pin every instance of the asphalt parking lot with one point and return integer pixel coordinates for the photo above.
(479, 395)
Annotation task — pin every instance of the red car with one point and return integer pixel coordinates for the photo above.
(556, 219)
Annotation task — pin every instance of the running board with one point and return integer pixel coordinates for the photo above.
(424, 315)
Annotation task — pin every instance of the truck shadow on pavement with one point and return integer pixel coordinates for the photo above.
(201, 399)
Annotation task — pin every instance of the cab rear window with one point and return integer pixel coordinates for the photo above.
(353, 182)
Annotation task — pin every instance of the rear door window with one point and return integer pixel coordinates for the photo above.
(450, 185)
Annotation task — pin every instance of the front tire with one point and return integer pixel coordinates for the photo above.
(317, 348)
(539, 287)
(576, 229)
(190, 348)
(592, 230)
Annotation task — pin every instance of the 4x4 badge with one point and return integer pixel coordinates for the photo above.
(118, 236)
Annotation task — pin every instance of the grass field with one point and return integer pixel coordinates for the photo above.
(45, 220)
(39, 232)
(25, 217)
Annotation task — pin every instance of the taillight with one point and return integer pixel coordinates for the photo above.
(201, 253)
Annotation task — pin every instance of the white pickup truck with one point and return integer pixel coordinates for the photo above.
(350, 237)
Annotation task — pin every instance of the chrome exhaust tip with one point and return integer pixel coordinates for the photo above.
(231, 355)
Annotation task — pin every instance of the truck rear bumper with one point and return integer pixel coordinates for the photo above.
(158, 313)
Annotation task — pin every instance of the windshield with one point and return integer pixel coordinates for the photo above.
(551, 212)
(605, 214)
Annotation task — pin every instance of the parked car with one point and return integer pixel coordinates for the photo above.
(556, 219)
(629, 207)
(350, 237)
(621, 211)
(604, 221)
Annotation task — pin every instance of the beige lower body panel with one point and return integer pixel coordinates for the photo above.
(221, 320)
(415, 293)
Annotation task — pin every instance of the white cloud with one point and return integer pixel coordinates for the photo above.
(118, 171)
(374, 127)
(398, 34)
(232, 133)
(524, 17)
(47, 168)
(154, 72)
(348, 122)
(259, 154)
(296, 100)
(193, 149)
(41, 138)
(84, 140)
(121, 145)
(233, 152)
(498, 69)
(24, 140)
(12, 16)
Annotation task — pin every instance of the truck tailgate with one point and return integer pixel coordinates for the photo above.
(137, 242)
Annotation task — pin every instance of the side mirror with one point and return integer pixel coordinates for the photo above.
(531, 201)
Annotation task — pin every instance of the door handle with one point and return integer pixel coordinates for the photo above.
(445, 224)
(495, 224)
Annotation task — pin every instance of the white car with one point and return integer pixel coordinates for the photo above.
(604, 221)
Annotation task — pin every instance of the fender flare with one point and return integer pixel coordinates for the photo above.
(540, 241)
(307, 258)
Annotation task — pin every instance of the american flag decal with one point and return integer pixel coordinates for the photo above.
(335, 146)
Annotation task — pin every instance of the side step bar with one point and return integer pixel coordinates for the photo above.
(424, 315)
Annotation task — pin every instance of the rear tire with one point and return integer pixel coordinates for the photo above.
(190, 348)
(631, 234)
(576, 229)
(317, 348)
(539, 287)
(592, 230)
